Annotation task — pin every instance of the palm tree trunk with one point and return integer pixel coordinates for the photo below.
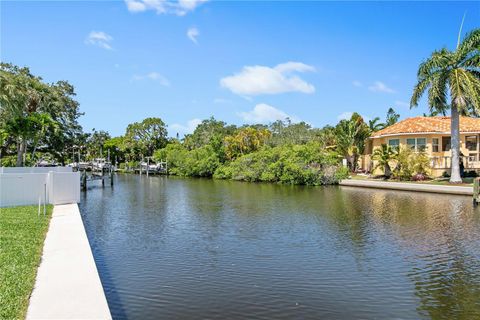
(455, 140)
(387, 170)
(20, 150)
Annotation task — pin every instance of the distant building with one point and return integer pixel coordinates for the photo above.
(431, 135)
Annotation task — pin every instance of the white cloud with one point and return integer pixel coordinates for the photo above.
(345, 116)
(357, 83)
(154, 76)
(99, 38)
(264, 113)
(190, 5)
(294, 66)
(255, 80)
(183, 129)
(399, 103)
(379, 86)
(192, 34)
(179, 7)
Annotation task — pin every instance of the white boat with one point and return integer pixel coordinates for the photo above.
(79, 165)
(152, 167)
(45, 163)
(100, 164)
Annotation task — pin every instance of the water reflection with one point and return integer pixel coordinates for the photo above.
(194, 248)
(440, 239)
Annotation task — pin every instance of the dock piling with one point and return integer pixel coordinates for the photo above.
(476, 192)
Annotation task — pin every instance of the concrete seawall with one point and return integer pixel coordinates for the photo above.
(67, 285)
(417, 187)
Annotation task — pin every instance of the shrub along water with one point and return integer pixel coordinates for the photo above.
(307, 164)
(297, 164)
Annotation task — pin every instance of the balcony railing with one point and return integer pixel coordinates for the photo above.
(445, 162)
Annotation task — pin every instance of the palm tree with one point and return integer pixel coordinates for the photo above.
(383, 156)
(391, 118)
(351, 135)
(454, 74)
(374, 125)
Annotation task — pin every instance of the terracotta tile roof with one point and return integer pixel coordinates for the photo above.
(428, 125)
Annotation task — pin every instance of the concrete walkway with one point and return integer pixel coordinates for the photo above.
(458, 190)
(67, 284)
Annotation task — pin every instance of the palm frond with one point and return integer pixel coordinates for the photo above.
(438, 61)
(419, 90)
(470, 42)
(471, 86)
(437, 93)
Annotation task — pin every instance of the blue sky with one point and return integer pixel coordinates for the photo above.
(242, 62)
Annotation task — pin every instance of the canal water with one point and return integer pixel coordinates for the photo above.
(172, 248)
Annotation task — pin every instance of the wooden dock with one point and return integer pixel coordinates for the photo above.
(160, 167)
(96, 175)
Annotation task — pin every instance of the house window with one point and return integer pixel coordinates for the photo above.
(394, 143)
(435, 146)
(418, 144)
(421, 144)
(446, 143)
(471, 143)
(411, 143)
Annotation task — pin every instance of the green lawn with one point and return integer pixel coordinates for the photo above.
(22, 233)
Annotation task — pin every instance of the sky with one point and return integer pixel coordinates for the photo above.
(239, 61)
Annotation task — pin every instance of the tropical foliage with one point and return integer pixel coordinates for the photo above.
(383, 156)
(455, 75)
(283, 152)
(391, 118)
(351, 135)
(35, 117)
(409, 164)
(244, 141)
(307, 164)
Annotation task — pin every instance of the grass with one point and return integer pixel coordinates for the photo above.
(22, 233)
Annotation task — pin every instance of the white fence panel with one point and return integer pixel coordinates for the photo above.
(64, 187)
(22, 189)
(59, 186)
(34, 169)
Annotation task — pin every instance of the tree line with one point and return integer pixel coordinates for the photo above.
(39, 120)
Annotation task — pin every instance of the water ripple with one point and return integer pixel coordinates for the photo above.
(201, 249)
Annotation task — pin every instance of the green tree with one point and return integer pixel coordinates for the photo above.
(95, 143)
(351, 137)
(327, 136)
(147, 136)
(434, 113)
(246, 140)
(391, 118)
(454, 74)
(374, 125)
(210, 132)
(175, 154)
(116, 147)
(35, 113)
(384, 155)
(287, 132)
